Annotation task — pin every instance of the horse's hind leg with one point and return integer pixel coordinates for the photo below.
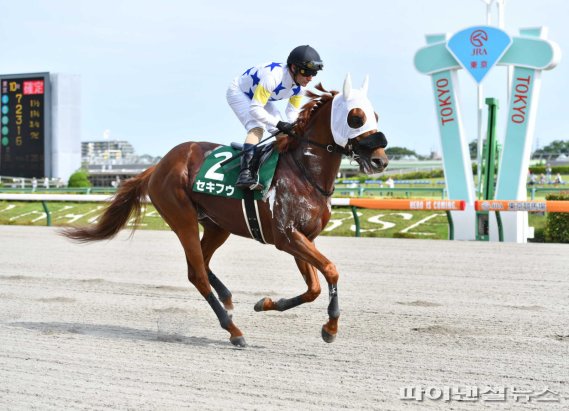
(310, 276)
(181, 215)
(213, 237)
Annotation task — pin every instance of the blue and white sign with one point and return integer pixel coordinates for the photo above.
(479, 48)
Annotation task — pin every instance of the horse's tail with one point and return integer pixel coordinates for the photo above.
(128, 200)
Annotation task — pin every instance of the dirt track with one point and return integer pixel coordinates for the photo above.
(117, 325)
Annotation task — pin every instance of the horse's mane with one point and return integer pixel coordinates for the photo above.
(285, 143)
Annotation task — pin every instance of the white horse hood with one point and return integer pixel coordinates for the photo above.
(341, 106)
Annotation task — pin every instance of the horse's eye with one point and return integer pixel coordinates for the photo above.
(356, 118)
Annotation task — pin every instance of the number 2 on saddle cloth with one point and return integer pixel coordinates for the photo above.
(219, 180)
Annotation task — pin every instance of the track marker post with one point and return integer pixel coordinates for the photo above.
(487, 180)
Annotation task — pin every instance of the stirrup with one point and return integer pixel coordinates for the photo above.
(251, 185)
(256, 186)
(248, 183)
(245, 180)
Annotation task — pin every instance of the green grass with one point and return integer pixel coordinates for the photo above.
(389, 223)
(66, 213)
(374, 223)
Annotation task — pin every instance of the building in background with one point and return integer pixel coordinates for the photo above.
(107, 152)
(111, 161)
(65, 125)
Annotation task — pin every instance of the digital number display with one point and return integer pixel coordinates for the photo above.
(23, 125)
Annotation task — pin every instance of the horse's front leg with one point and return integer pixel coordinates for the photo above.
(313, 291)
(302, 248)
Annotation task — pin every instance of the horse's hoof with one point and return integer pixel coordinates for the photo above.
(326, 336)
(238, 341)
(260, 304)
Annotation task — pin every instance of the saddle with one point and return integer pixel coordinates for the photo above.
(220, 169)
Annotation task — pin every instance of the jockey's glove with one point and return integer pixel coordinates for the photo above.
(285, 127)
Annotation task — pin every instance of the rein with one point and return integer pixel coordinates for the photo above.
(307, 176)
(330, 148)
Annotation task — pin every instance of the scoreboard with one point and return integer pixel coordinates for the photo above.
(25, 138)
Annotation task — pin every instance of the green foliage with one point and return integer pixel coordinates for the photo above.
(80, 178)
(557, 225)
(555, 147)
(413, 175)
(554, 170)
(399, 151)
(538, 235)
(473, 148)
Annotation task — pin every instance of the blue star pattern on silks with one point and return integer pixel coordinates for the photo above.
(278, 88)
(273, 65)
(277, 85)
(255, 78)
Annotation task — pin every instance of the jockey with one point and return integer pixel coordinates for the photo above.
(251, 97)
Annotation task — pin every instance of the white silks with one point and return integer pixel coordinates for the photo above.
(341, 106)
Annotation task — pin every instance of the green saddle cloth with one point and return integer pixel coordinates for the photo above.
(217, 180)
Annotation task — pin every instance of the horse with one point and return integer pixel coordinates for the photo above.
(293, 213)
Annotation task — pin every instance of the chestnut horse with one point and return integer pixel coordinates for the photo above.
(294, 211)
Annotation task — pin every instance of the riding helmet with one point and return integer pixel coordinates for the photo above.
(305, 57)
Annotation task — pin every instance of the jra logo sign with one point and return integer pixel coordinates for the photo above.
(478, 49)
(478, 38)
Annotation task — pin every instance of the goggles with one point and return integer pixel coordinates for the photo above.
(310, 68)
(308, 72)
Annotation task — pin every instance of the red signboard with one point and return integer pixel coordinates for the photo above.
(33, 87)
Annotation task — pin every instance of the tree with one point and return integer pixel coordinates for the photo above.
(79, 179)
(555, 147)
(473, 148)
(399, 151)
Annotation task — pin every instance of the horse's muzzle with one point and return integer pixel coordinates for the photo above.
(374, 163)
(379, 163)
(371, 154)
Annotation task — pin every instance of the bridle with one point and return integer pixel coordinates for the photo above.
(352, 150)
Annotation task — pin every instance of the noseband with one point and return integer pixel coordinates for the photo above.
(368, 143)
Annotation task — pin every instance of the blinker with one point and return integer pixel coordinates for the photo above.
(373, 141)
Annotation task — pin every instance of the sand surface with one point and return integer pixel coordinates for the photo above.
(116, 325)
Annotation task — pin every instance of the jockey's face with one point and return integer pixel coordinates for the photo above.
(300, 78)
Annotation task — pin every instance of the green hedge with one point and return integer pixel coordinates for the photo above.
(554, 170)
(557, 225)
(419, 175)
(413, 175)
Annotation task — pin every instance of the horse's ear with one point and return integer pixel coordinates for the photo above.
(347, 87)
(365, 85)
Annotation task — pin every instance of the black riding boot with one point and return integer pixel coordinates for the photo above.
(248, 176)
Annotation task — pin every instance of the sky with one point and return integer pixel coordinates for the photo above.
(155, 73)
